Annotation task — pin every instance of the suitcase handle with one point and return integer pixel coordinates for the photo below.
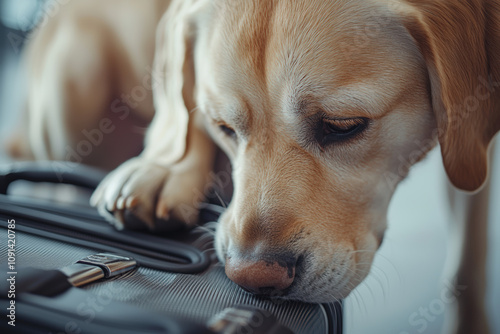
(55, 223)
(50, 171)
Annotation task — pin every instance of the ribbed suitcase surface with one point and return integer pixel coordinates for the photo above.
(192, 297)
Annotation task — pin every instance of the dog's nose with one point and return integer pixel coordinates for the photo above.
(261, 277)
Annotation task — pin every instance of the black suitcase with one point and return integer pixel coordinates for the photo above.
(178, 285)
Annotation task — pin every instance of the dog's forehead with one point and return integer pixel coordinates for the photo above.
(270, 51)
(267, 56)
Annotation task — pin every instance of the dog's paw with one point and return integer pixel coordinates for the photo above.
(142, 193)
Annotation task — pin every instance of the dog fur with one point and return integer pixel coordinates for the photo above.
(257, 78)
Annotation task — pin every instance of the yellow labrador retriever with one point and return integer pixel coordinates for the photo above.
(321, 106)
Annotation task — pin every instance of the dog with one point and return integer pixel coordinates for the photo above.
(321, 106)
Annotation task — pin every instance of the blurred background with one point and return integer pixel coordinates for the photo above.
(407, 273)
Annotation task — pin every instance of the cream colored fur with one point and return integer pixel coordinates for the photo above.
(271, 71)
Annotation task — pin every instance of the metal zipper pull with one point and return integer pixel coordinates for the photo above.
(95, 267)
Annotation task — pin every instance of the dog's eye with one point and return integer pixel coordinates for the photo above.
(338, 130)
(227, 130)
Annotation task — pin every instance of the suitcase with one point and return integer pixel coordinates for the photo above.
(128, 281)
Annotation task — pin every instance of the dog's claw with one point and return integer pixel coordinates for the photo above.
(118, 222)
(132, 202)
(111, 206)
(94, 199)
(120, 203)
(162, 212)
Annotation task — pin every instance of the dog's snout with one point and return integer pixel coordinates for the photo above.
(262, 277)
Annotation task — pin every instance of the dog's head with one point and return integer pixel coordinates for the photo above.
(322, 107)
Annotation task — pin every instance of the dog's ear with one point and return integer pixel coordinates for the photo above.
(460, 42)
(173, 85)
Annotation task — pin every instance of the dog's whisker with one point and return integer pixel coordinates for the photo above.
(381, 271)
(379, 281)
(211, 224)
(383, 257)
(195, 109)
(360, 301)
(204, 229)
(378, 271)
(375, 276)
(352, 286)
(354, 296)
(223, 204)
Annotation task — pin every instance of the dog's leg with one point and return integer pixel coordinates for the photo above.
(146, 189)
(68, 88)
(467, 261)
(69, 116)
